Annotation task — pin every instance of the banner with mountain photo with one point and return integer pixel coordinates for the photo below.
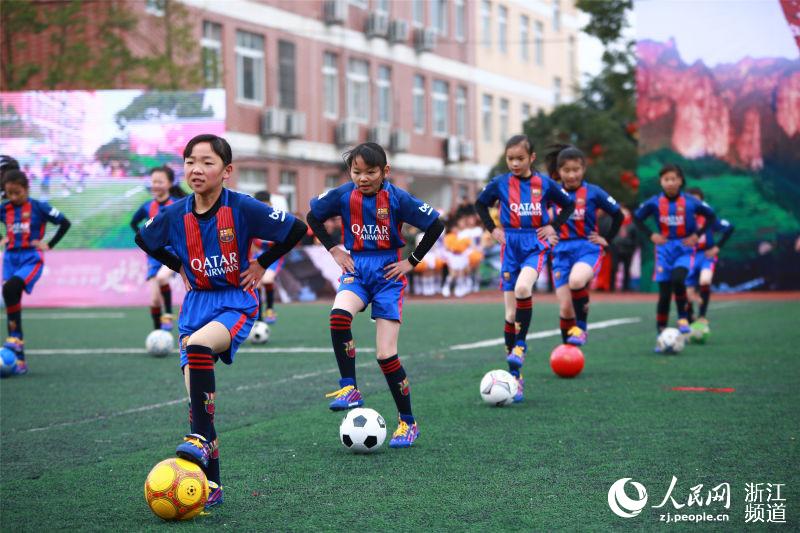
(718, 92)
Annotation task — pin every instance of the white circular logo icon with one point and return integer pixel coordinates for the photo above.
(621, 504)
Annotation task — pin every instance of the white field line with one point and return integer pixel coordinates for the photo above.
(547, 333)
(127, 351)
(72, 316)
(295, 377)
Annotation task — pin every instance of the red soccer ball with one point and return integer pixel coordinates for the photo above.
(567, 361)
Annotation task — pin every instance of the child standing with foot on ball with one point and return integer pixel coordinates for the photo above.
(210, 233)
(373, 212)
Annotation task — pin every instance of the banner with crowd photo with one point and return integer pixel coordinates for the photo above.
(88, 152)
(730, 116)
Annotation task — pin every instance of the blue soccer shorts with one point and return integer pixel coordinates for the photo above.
(570, 252)
(674, 254)
(369, 284)
(701, 262)
(233, 308)
(522, 249)
(26, 264)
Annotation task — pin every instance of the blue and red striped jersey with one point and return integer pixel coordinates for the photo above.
(371, 223)
(26, 223)
(215, 250)
(149, 209)
(676, 218)
(523, 202)
(706, 240)
(588, 199)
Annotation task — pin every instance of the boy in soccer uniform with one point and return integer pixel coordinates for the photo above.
(210, 232)
(267, 283)
(373, 212)
(577, 256)
(23, 260)
(706, 255)
(675, 240)
(158, 276)
(526, 236)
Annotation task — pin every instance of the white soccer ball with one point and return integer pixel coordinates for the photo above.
(362, 430)
(498, 387)
(159, 343)
(259, 334)
(670, 341)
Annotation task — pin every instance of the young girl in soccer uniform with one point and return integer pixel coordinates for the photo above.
(527, 234)
(373, 212)
(577, 256)
(23, 261)
(706, 255)
(210, 233)
(675, 240)
(158, 276)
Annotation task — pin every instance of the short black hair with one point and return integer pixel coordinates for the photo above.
(521, 139)
(696, 191)
(560, 154)
(166, 170)
(372, 154)
(672, 167)
(15, 176)
(262, 196)
(218, 144)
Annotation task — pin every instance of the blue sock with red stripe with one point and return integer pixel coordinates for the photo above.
(202, 394)
(343, 346)
(580, 303)
(396, 378)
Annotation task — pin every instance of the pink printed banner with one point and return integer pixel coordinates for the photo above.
(95, 278)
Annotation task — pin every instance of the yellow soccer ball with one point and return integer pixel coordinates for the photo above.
(176, 489)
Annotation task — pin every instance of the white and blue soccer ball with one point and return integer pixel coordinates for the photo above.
(670, 341)
(498, 388)
(362, 430)
(159, 343)
(259, 334)
(8, 362)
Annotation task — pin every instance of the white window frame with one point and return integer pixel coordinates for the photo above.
(358, 100)
(210, 43)
(502, 116)
(486, 23)
(556, 15)
(287, 187)
(438, 16)
(502, 28)
(361, 4)
(417, 13)
(461, 112)
(257, 56)
(538, 42)
(524, 38)
(418, 103)
(440, 103)
(525, 111)
(460, 22)
(251, 180)
(487, 110)
(383, 96)
(382, 6)
(330, 80)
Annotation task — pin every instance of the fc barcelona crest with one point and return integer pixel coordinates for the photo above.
(226, 235)
(536, 192)
(383, 213)
(580, 201)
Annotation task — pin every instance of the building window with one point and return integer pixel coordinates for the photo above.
(358, 90)
(155, 7)
(382, 6)
(417, 12)
(572, 61)
(503, 119)
(418, 95)
(486, 23)
(438, 16)
(288, 188)
(556, 15)
(461, 111)
(441, 102)
(461, 21)
(251, 180)
(330, 83)
(526, 112)
(538, 42)
(287, 95)
(212, 54)
(502, 26)
(384, 89)
(486, 117)
(556, 90)
(362, 4)
(250, 67)
(524, 51)
(332, 181)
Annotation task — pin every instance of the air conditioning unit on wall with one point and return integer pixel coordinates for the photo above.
(273, 122)
(424, 39)
(377, 25)
(347, 133)
(398, 31)
(335, 11)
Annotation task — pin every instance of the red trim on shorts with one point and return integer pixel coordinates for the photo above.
(33, 273)
(236, 327)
